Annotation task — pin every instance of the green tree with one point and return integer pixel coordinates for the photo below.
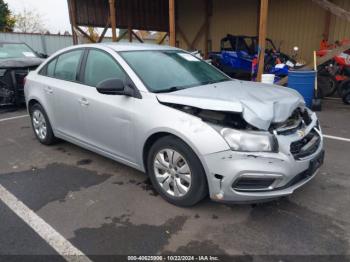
(7, 21)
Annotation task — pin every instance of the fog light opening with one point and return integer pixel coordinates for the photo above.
(253, 184)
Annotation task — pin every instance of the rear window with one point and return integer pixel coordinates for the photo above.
(67, 65)
(50, 68)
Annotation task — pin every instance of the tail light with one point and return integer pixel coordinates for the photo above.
(24, 81)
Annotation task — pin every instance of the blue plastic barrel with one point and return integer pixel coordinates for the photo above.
(304, 83)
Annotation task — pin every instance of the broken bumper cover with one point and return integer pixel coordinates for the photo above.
(248, 177)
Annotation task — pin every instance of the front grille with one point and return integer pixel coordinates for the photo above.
(306, 146)
(12, 85)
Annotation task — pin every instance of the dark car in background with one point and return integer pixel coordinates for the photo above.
(16, 60)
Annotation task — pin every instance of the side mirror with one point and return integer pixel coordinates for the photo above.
(112, 86)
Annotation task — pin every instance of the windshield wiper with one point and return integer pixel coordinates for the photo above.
(210, 82)
(177, 88)
(170, 89)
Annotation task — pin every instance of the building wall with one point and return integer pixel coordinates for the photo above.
(190, 16)
(290, 23)
(233, 16)
(296, 23)
(340, 28)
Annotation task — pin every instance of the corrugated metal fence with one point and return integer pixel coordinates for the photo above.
(49, 44)
(46, 44)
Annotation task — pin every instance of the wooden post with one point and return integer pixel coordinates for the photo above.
(136, 36)
(104, 30)
(162, 38)
(73, 19)
(258, 16)
(209, 12)
(85, 35)
(172, 32)
(113, 19)
(130, 33)
(264, 5)
(130, 21)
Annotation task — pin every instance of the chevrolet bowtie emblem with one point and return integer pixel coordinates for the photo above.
(301, 133)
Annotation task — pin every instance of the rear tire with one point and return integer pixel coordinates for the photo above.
(41, 125)
(176, 172)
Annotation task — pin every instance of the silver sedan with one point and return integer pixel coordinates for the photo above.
(191, 128)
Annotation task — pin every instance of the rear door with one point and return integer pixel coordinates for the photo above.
(64, 90)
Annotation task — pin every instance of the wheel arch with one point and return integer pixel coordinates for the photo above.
(32, 102)
(148, 144)
(156, 136)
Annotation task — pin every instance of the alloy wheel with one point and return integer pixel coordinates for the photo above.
(39, 124)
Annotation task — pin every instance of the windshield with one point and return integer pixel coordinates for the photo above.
(169, 70)
(15, 50)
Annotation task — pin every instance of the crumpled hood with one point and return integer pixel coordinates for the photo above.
(20, 62)
(260, 104)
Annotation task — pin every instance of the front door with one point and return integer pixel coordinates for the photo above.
(108, 119)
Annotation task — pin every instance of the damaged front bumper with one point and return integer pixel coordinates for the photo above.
(253, 177)
(12, 85)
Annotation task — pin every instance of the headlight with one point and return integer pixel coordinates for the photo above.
(249, 141)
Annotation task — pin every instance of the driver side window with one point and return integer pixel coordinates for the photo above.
(99, 67)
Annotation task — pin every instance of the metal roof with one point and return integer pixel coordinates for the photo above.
(152, 15)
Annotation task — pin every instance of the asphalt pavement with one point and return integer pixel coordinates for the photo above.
(103, 208)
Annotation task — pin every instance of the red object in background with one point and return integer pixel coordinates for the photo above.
(324, 45)
(321, 53)
(340, 78)
(254, 65)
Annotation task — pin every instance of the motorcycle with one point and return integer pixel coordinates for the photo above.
(334, 76)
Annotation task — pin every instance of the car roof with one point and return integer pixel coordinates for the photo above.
(136, 46)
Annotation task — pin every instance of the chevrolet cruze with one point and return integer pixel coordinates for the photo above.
(191, 128)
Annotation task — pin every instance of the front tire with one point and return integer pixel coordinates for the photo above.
(176, 172)
(41, 125)
(327, 84)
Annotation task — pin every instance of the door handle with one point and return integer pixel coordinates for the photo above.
(48, 90)
(84, 102)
